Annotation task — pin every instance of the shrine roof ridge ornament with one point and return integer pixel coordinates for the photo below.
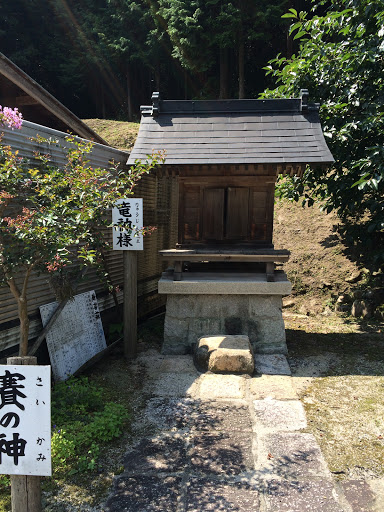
(160, 106)
(285, 131)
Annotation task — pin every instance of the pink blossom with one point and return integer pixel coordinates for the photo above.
(10, 117)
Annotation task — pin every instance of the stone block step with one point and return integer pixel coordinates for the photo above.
(225, 354)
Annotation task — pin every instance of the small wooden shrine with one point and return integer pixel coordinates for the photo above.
(227, 155)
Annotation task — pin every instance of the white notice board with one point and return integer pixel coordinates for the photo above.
(25, 420)
(76, 336)
(127, 220)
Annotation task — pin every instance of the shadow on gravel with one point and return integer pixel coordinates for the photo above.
(337, 354)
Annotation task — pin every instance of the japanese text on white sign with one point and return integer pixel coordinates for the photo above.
(25, 420)
(76, 336)
(127, 220)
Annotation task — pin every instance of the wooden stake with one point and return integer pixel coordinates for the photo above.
(130, 304)
(25, 490)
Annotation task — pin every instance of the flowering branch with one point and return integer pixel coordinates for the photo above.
(11, 117)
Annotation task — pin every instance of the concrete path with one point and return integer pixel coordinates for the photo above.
(227, 443)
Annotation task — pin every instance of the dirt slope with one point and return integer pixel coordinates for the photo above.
(318, 267)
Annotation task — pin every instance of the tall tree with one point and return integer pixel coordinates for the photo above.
(217, 36)
(105, 57)
(341, 62)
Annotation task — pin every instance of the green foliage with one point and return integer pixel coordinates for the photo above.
(82, 423)
(341, 61)
(46, 209)
(5, 492)
(5, 482)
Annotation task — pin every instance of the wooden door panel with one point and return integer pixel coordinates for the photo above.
(213, 213)
(237, 214)
(258, 215)
(191, 213)
(191, 224)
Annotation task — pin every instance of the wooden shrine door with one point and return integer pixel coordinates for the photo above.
(225, 214)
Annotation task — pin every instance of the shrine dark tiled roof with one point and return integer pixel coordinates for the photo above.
(232, 132)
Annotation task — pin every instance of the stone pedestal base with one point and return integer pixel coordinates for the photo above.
(210, 305)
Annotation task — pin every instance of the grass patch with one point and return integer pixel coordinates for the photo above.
(83, 421)
(119, 134)
(338, 371)
(346, 416)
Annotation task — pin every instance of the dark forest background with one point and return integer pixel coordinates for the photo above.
(104, 58)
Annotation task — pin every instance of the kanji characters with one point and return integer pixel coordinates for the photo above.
(124, 240)
(124, 209)
(14, 447)
(9, 389)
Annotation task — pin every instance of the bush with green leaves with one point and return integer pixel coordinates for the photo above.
(341, 61)
(83, 421)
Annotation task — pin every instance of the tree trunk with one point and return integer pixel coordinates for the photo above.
(241, 50)
(289, 45)
(241, 65)
(224, 68)
(102, 96)
(185, 84)
(22, 306)
(157, 77)
(129, 93)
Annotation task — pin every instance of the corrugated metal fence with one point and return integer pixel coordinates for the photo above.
(160, 209)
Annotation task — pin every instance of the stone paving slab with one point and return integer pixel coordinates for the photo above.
(278, 387)
(204, 494)
(360, 496)
(228, 442)
(186, 413)
(216, 416)
(279, 416)
(174, 384)
(222, 453)
(178, 364)
(170, 413)
(307, 496)
(272, 364)
(292, 456)
(377, 487)
(221, 386)
(145, 494)
(164, 453)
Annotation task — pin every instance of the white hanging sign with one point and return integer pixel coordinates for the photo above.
(127, 220)
(25, 420)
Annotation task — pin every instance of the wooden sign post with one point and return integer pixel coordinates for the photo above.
(127, 219)
(26, 429)
(130, 304)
